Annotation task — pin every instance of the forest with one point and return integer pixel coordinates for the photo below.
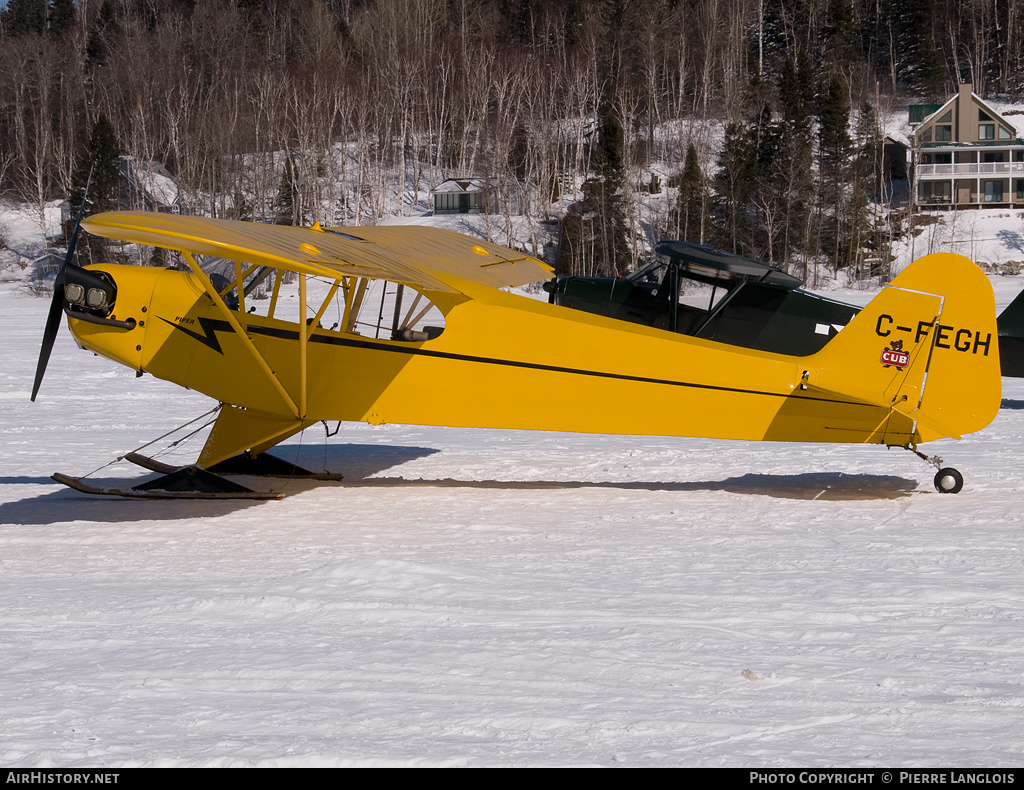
(761, 114)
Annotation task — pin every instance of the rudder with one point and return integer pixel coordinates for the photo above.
(926, 347)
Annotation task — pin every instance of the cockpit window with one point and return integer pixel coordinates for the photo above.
(702, 294)
(354, 305)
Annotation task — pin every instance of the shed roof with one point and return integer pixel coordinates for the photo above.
(460, 185)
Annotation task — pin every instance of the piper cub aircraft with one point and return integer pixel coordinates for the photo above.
(759, 362)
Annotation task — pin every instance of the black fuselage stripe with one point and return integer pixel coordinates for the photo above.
(211, 326)
(288, 334)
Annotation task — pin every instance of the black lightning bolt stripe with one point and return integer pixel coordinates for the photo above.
(210, 328)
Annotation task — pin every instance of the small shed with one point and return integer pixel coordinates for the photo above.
(462, 196)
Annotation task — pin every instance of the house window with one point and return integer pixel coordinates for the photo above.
(986, 131)
(943, 133)
(934, 192)
(1020, 188)
(993, 191)
(1005, 134)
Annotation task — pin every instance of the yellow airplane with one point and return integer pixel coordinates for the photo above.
(919, 363)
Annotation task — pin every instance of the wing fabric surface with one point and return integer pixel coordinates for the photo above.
(431, 259)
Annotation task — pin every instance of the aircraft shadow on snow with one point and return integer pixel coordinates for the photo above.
(823, 486)
(359, 463)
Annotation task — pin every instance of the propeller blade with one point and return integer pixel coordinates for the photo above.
(50, 332)
(57, 303)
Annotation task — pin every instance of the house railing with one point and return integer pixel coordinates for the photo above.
(971, 169)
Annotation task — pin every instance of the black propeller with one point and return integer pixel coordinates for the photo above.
(57, 303)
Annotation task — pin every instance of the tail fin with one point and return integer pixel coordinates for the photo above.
(926, 347)
(1011, 338)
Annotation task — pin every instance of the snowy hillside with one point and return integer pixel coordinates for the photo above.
(991, 237)
(472, 597)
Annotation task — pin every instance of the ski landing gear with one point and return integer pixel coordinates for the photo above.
(190, 482)
(194, 482)
(947, 480)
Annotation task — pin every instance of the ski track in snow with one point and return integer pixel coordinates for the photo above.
(485, 597)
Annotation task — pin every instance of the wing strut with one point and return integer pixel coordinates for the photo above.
(303, 343)
(250, 347)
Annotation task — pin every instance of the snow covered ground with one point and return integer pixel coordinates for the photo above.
(471, 597)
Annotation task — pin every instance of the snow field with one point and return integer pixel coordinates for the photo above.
(470, 597)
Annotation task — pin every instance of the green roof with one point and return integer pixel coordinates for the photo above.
(918, 112)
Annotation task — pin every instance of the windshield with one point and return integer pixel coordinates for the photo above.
(649, 274)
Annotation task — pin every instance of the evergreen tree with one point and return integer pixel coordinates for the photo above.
(833, 111)
(25, 17)
(514, 21)
(793, 165)
(241, 207)
(605, 203)
(572, 244)
(732, 186)
(606, 158)
(62, 17)
(160, 257)
(102, 34)
(840, 35)
(796, 95)
(833, 129)
(923, 67)
(612, 252)
(518, 155)
(834, 149)
(287, 201)
(595, 233)
(748, 215)
(867, 186)
(102, 159)
(690, 212)
(869, 145)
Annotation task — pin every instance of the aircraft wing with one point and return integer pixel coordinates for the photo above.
(431, 259)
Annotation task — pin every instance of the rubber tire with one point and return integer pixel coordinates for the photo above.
(942, 485)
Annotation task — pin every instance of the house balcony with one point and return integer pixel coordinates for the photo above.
(970, 169)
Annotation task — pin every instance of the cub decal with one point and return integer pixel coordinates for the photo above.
(895, 356)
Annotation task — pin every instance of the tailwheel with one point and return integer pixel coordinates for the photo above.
(948, 481)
